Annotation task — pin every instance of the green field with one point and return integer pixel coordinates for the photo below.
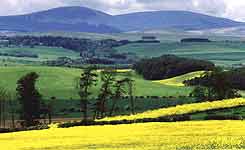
(162, 35)
(221, 53)
(60, 82)
(44, 54)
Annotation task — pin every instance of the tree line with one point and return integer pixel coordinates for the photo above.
(32, 107)
(74, 44)
(217, 84)
(168, 66)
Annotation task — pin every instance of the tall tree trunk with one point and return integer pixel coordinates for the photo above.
(112, 108)
(132, 104)
(13, 120)
(4, 114)
(85, 115)
(0, 112)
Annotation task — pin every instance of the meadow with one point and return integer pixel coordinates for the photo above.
(163, 35)
(44, 54)
(61, 82)
(208, 135)
(221, 53)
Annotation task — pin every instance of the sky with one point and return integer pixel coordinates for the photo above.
(232, 9)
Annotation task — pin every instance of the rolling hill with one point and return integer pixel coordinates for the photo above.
(62, 82)
(82, 19)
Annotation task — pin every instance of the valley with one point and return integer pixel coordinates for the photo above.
(78, 78)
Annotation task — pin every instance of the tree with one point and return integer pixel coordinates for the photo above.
(7, 104)
(107, 78)
(13, 108)
(131, 86)
(200, 92)
(86, 82)
(3, 100)
(119, 91)
(29, 98)
(216, 85)
(168, 66)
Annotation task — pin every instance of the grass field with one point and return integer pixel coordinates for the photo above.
(221, 53)
(44, 53)
(182, 109)
(162, 35)
(60, 82)
(198, 135)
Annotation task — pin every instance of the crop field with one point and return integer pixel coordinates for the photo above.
(61, 82)
(197, 135)
(221, 53)
(182, 109)
(44, 53)
(162, 35)
(178, 81)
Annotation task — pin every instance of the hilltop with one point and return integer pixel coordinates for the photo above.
(82, 19)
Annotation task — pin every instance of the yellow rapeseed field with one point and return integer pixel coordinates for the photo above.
(148, 136)
(178, 81)
(182, 109)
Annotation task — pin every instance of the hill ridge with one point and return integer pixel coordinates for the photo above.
(83, 19)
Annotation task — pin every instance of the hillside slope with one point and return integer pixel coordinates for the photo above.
(82, 19)
(178, 81)
(182, 109)
(70, 19)
(148, 136)
(181, 20)
(60, 82)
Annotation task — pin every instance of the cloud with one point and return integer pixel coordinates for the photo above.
(13, 7)
(233, 9)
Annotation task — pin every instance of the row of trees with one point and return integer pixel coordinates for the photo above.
(74, 44)
(32, 106)
(215, 85)
(7, 106)
(168, 66)
(111, 88)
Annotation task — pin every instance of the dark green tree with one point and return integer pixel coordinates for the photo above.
(29, 98)
(3, 99)
(216, 85)
(86, 82)
(131, 89)
(200, 92)
(118, 93)
(106, 91)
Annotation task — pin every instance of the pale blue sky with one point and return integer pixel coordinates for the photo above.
(233, 9)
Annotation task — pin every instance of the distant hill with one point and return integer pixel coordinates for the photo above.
(82, 19)
(183, 20)
(73, 19)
